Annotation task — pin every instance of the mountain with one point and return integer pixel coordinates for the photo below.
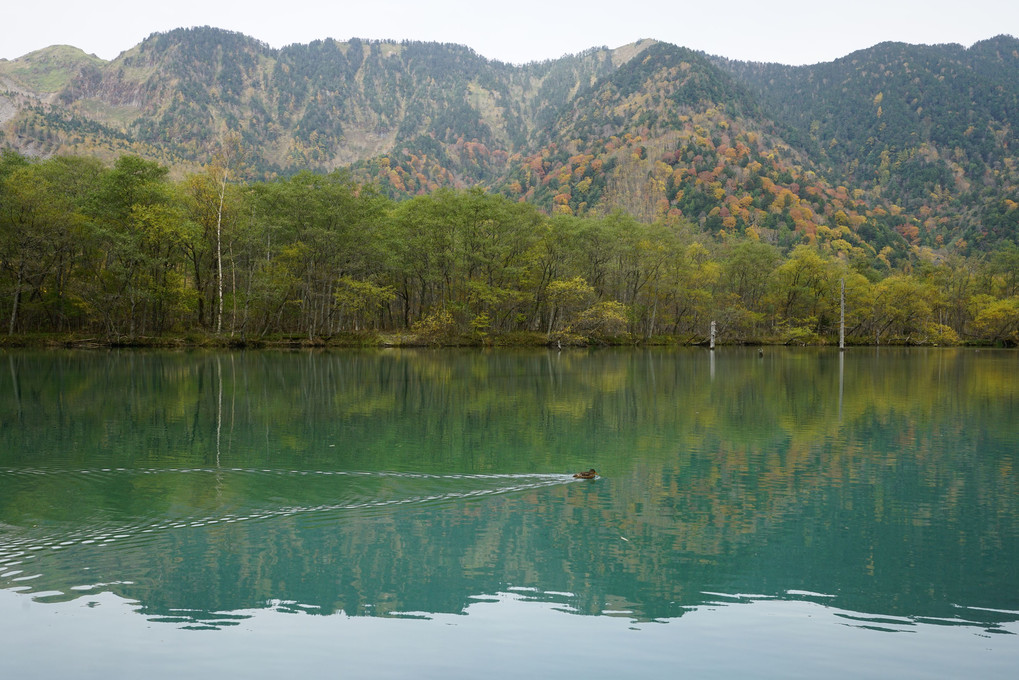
(887, 149)
(929, 130)
(321, 106)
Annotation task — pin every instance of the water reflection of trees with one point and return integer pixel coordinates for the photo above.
(895, 492)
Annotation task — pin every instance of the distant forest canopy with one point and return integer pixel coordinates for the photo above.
(122, 252)
(906, 150)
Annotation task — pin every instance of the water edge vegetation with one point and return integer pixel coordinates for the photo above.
(125, 255)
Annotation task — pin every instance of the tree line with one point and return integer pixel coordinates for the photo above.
(126, 252)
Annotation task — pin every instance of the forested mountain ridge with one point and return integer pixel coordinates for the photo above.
(318, 106)
(929, 130)
(892, 148)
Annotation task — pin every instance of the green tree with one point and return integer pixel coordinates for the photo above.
(565, 300)
(466, 251)
(548, 261)
(1005, 268)
(360, 302)
(746, 273)
(996, 320)
(903, 308)
(200, 200)
(28, 221)
(325, 228)
(130, 259)
(419, 242)
(804, 293)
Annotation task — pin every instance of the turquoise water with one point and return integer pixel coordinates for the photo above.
(413, 513)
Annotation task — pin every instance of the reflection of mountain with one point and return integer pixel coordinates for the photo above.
(744, 482)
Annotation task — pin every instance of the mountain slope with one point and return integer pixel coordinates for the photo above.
(892, 147)
(928, 129)
(47, 70)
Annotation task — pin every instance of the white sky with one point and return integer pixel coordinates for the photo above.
(518, 31)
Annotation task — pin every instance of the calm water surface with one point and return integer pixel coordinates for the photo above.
(412, 514)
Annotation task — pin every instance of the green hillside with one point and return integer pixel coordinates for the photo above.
(889, 150)
(928, 130)
(50, 69)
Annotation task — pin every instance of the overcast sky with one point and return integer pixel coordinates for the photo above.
(519, 31)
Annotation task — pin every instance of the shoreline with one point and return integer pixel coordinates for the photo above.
(411, 340)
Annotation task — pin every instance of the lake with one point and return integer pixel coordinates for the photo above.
(412, 513)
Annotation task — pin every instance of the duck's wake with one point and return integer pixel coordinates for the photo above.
(218, 497)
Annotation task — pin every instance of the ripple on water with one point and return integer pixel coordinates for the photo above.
(239, 496)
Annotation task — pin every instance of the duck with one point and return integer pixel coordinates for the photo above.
(590, 474)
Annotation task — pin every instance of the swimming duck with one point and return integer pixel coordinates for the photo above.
(590, 474)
